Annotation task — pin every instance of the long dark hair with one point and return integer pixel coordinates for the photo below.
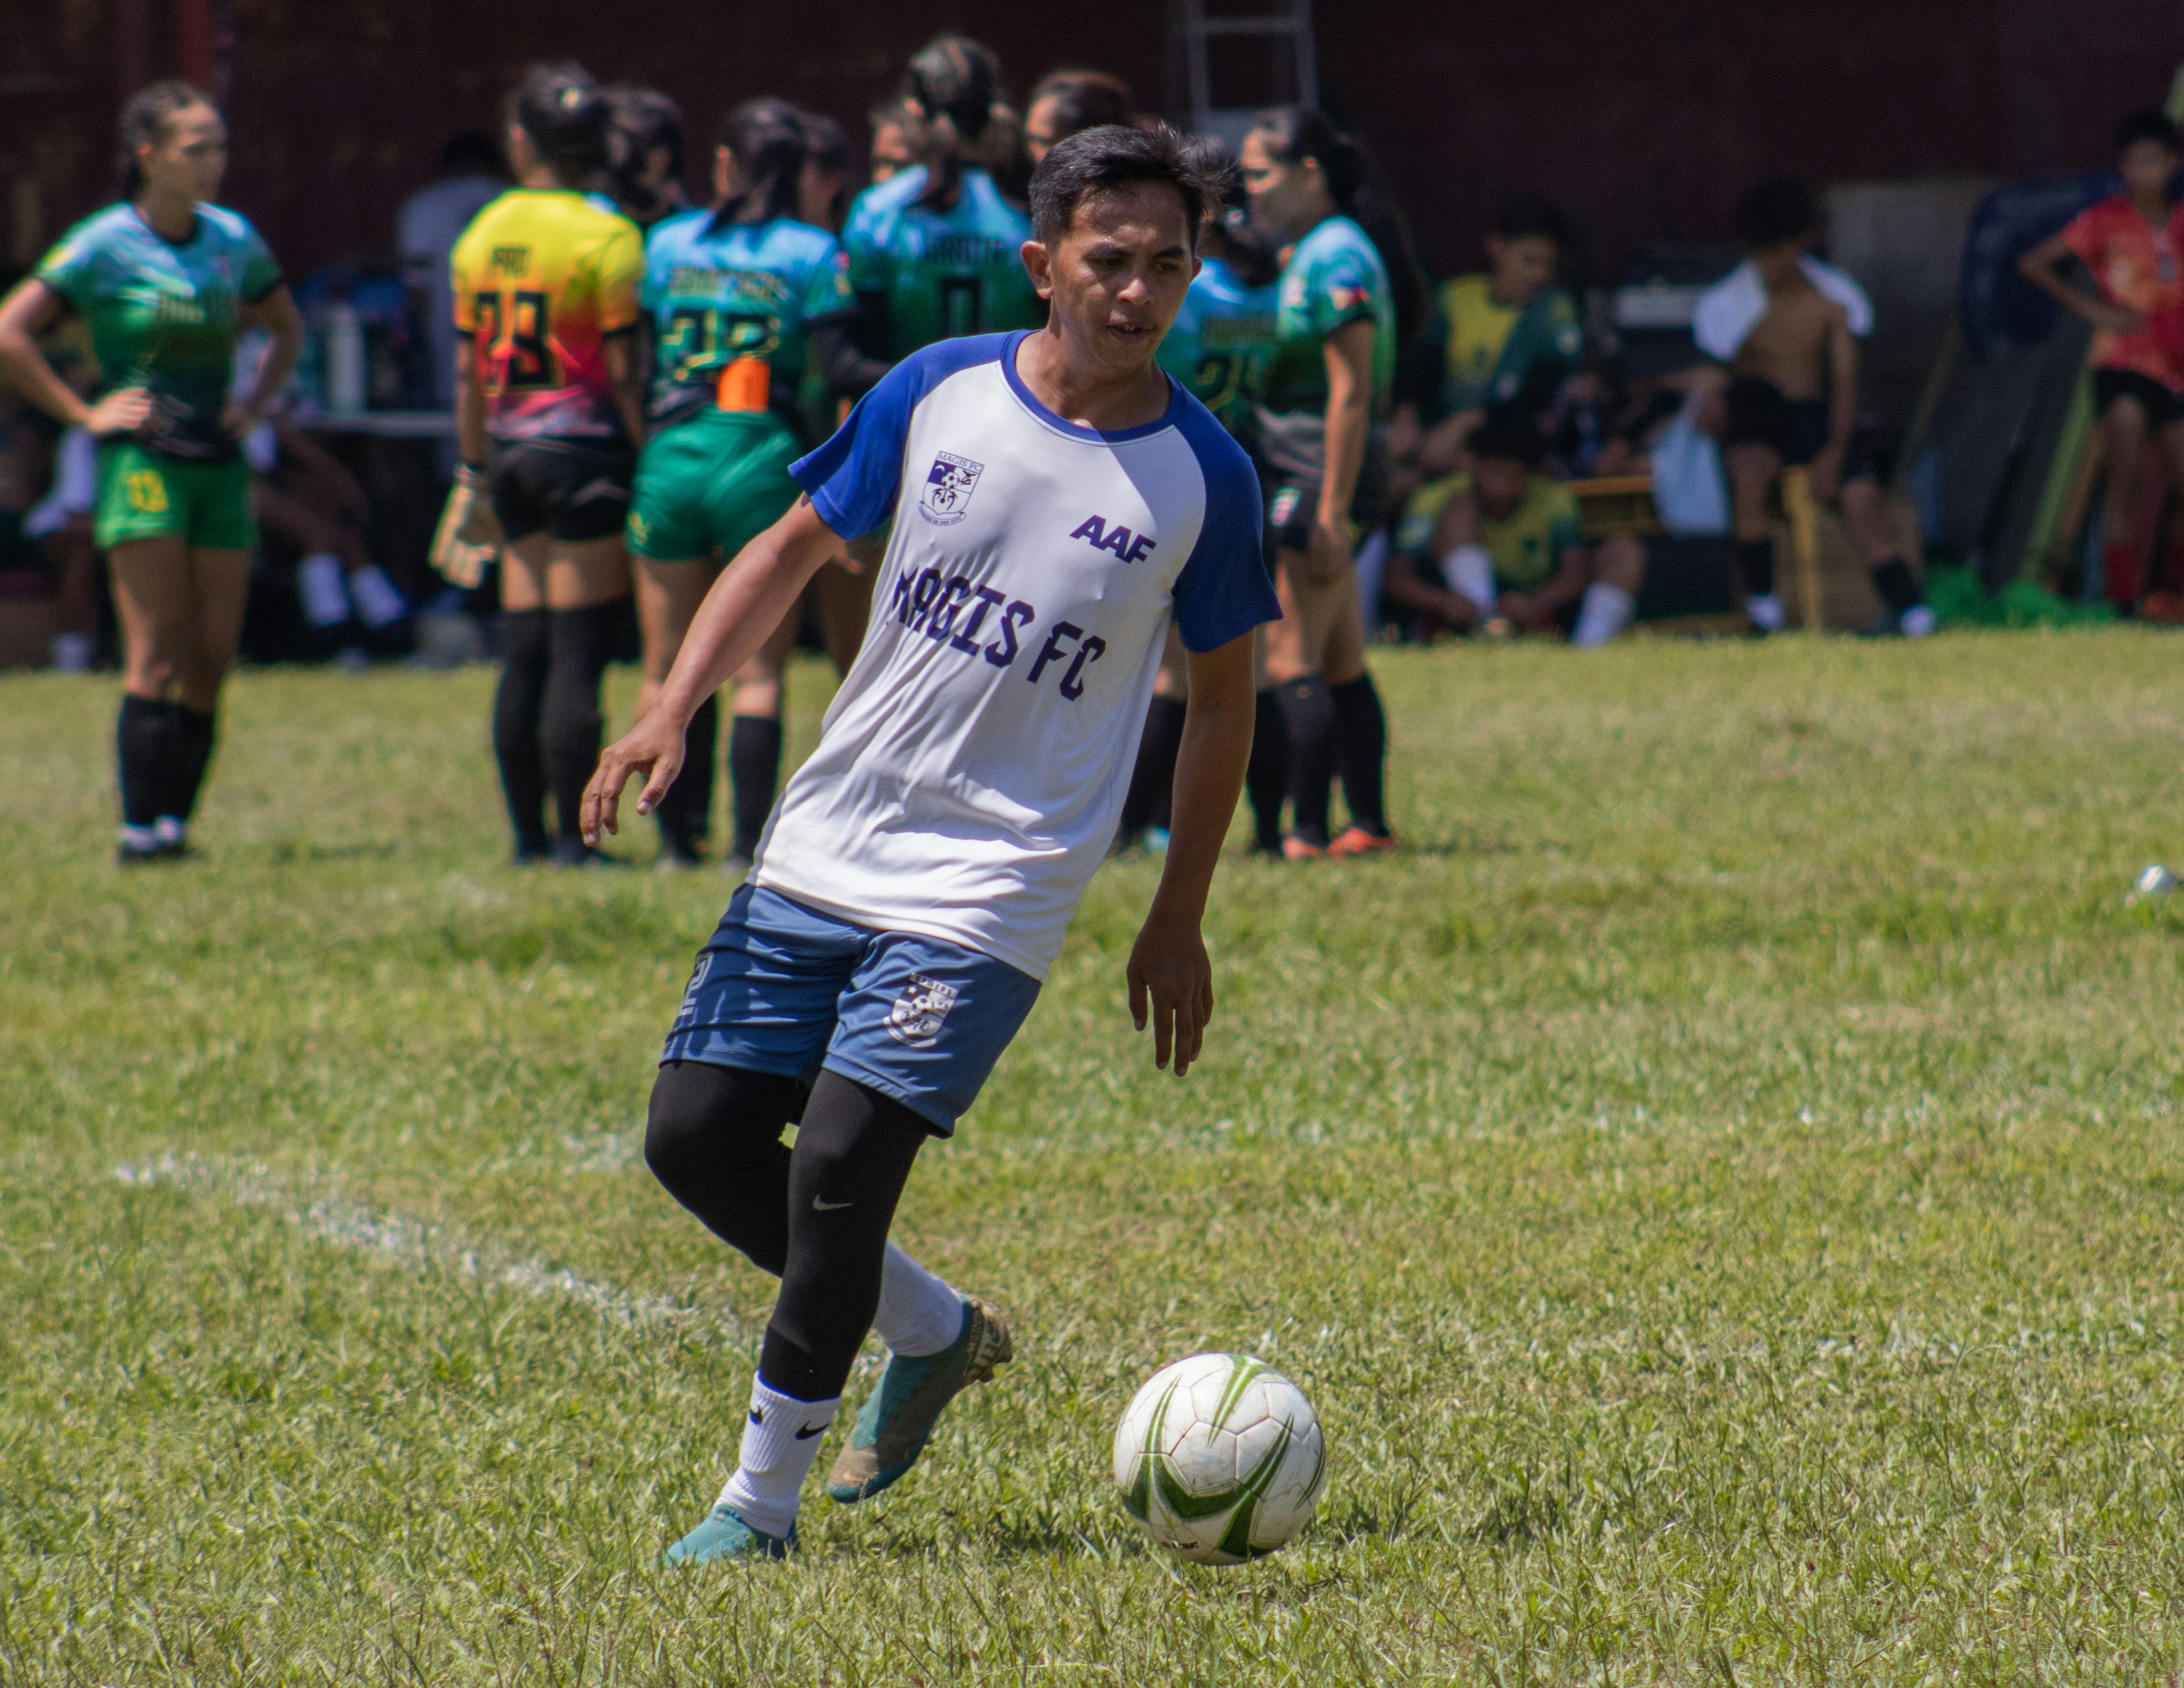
(561, 108)
(1301, 132)
(826, 149)
(143, 121)
(1085, 99)
(766, 138)
(956, 80)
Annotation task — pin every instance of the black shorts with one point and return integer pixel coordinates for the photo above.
(1293, 462)
(2161, 405)
(1795, 429)
(566, 488)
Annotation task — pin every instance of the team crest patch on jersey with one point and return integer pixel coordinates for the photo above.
(947, 485)
(915, 1019)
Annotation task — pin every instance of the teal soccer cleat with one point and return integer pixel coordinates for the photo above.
(891, 1430)
(724, 1535)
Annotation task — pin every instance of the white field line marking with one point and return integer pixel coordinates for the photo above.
(333, 1218)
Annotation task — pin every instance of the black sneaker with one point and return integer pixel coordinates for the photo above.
(574, 853)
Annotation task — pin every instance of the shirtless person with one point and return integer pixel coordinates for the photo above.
(1786, 325)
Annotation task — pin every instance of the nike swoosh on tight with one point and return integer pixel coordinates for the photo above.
(818, 1206)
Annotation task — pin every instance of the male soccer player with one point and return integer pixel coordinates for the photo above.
(1786, 325)
(1056, 499)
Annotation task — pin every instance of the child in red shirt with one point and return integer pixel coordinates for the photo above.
(2134, 245)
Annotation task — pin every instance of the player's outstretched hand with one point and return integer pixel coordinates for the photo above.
(652, 750)
(1168, 969)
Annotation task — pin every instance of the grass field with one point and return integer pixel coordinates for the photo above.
(1721, 1189)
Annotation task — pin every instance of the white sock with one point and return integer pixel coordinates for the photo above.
(781, 1439)
(377, 601)
(1469, 570)
(1765, 610)
(140, 837)
(319, 585)
(171, 830)
(1605, 612)
(1917, 622)
(919, 1314)
(71, 653)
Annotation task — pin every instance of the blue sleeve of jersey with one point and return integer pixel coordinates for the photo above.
(854, 477)
(1224, 590)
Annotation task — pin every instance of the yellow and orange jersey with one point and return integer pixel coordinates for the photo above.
(542, 278)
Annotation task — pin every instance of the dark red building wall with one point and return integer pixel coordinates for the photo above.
(1645, 116)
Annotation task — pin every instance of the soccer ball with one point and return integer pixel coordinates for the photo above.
(1220, 1458)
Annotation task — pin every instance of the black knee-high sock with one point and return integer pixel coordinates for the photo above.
(1152, 781)
(1898, 587)
(712, 1137)
(854, 1152)
(1361, 742)
(1267, 776)
(517, 706)
(1308, 712)
(1755, 562)
(578, 643)
(754, 771)
(147, 745)
(195, 733)
(685, 814)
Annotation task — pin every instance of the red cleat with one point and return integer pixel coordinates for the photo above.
(1356, 841)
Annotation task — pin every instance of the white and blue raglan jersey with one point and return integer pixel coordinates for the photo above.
(970, 774)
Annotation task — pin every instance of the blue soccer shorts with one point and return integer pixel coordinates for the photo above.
(783, 988)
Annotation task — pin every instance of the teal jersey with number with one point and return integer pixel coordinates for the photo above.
(164, 315)
(942, 273)
(1334, 277)
(1222, 341)
(740, 290)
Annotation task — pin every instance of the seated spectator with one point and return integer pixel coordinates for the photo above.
(306, 501)
(1787, 326)
(1508, 549)
(469, 178)
(1503, 337)
(49, 485)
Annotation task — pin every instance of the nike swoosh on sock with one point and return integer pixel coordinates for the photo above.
(810, 1430)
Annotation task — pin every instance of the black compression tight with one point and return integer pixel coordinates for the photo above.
(515, 710)
(816, 1215)
(578, 644)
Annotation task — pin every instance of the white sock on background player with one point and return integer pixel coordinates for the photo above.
(781, 1439)
(322, 589)
(918, 1314)
(377, 603)
(1605, 612)
(1469, 570)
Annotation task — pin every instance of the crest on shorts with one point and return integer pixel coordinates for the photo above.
(915, 1019)
(947, 485)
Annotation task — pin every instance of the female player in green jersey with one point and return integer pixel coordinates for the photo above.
(1327, 390)
(736, 298)
(165, 281)
(933, 249)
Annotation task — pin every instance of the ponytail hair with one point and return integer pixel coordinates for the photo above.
(144, 123)
(567, 117)
(1302, 132)
(767, 139)
(955, 81)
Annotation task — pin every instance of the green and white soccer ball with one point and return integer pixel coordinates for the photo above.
(1220, 1458)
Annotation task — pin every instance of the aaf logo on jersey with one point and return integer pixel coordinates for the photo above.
(915, 1019)
(948, 486)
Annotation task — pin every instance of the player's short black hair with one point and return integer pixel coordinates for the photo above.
(1770, 212)
(2146, 126)
(1111, 156)
(472, 153)
(1531, 216)
(561, 108)
(1508, 435)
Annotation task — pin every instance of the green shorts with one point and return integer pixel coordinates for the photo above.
(714, 482)
(143, 496)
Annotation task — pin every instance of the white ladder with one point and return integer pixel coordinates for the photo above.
(1281, 21)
